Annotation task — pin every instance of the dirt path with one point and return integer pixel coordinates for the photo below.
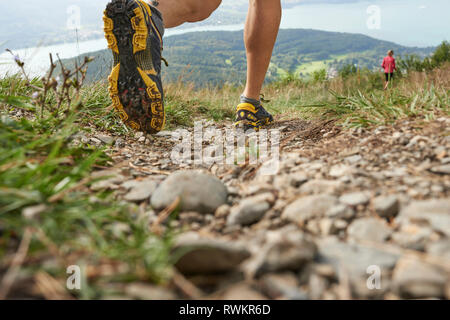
(350, 214)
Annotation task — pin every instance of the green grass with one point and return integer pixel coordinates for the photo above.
(39, 165)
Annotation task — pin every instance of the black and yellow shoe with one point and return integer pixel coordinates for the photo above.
(249, 116)
(134, 33)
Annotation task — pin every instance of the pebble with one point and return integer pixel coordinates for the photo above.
(309, 207)
(340, 170)
(106, 139)
(370, 229)
(250, 210)
(386, 206)
(319, 186)
(354, 198)
(341, 211)
(141, 191)
(444, 169)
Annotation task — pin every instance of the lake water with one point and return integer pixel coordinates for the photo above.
(407, 22)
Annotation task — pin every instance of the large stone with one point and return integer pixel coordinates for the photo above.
(309, 207)
(250, 210)
(197, 191)
(415, 279)
(370, 229)
(208, 256)
(434, 212)
(386, 206)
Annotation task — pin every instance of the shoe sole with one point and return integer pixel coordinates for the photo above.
(135, 96)
(247, 125)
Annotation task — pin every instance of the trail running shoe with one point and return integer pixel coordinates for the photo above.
(250, 117)
(131, 29)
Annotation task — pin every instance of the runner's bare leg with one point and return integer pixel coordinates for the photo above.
(177, 12)
(261, 30)
(260, 34)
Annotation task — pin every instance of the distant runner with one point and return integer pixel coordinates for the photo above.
(134, 30)
(389, 66)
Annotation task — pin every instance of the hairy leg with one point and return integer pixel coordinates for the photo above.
(260, 34)
(177, 12)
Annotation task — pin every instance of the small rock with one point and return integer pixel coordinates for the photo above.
(412, 240)
(192, 217)
(106, 139)
(321, 186)
(166, 134)
(353, 257)
(223, 211)
(415, 279)
(341, 211)
(439, 248)
(339, 225)
(354, 199)
(353, 159)
(282, 286)
(110, 179)
(309, 207)
(386, 206)
(418, 140)
(95, 141)
(340, 170)
(444, 169)
(352, 260)
(370, 229)
(33, 212)
(285, 250)
(198, 192)
(120, 143)
(318, 285)
(142, 191)
(297, 179)
(207, 256)
(326, 226)
(434, 212)
(250, 210)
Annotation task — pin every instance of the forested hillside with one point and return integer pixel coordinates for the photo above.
(219, 56)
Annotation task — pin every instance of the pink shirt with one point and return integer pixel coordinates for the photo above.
(388, 64)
